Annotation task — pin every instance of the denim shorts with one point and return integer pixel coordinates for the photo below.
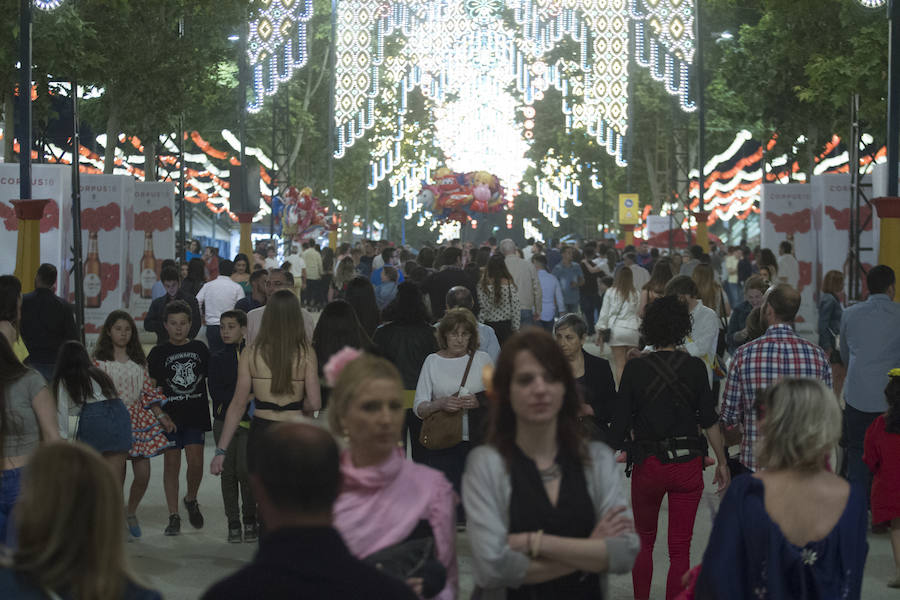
(10, 484)
(105, 426)
(186, 436)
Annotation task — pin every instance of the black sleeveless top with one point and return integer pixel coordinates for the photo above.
(573, 516)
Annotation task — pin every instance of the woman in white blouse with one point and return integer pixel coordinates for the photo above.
(619, 315)
(499, 299)
(441, 387)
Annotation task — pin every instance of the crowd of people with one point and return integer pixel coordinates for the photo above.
(369, 402)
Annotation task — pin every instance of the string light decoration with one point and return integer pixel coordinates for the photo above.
(276, 46)
(873, 3)
(449, 47)
(47, 4)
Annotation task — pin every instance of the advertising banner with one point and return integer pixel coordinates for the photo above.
(151, 240)
(52, 182)
(104, 199)
(786, 214)
(831, 204)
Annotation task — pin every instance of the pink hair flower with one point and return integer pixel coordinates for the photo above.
(337, 362)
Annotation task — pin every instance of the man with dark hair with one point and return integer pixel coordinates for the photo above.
(688, 267)
(460, 296)
(870, 347)
(215, 297)
(449, 274)
(296, 479)
(779, 353)
(155, 321)
(705, 329)
(315, 295)
(159, 290)
(179, 368)
(47, 322)
(788, 267)
(258, 282)
(279, 279)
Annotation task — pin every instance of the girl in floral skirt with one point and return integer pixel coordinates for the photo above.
(119, 353)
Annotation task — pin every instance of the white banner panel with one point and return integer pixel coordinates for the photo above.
(151, 240)
(786, 214)
(52, 182)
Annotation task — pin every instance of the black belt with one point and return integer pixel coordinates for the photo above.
(675, 449)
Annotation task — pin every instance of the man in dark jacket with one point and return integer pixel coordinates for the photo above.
(450, 275)
(296, 480)
(155, 319)
(47, 322)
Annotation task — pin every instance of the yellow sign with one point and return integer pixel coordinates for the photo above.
(629, 209)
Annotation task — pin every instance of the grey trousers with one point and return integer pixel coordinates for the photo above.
(235, 475)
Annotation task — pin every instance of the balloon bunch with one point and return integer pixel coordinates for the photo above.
(302, 216)
(461, 196)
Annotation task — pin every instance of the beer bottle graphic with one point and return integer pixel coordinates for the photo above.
(148, 267)
(93, 284)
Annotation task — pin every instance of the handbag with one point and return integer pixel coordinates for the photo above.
(442, 429)
(413, 557)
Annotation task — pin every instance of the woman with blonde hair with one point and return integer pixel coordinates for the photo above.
(831, 301)
(68, 523)
(414, 504)
(794, 529)
(346, 271)
(282, 369)
(711, 293)
(619, 322)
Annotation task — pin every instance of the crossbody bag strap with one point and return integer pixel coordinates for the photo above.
(666, 372)
(468, 367)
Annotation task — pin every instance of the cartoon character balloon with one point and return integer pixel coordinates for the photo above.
(303, 216)
(460, 196)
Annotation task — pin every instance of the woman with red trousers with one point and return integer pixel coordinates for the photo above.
(664, 406)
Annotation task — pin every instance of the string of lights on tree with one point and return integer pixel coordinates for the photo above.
(276, 46)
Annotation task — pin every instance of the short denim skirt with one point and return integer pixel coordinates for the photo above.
(105, 426)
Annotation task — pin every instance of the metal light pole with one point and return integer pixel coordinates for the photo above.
(331, 108)
(25, 17)
(893, 116)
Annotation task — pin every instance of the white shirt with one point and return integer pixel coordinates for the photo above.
(298, 265)
(218, 296)
(487, 341)
(789, 270)
(551, 296)
(704, 336)
(254, 321)
(272, 263)
(313, 261)
(442, 376)
(640, 276)
(378, 263)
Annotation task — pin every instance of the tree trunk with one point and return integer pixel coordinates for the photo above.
(150, 158)
(112, 140)
(652, 179)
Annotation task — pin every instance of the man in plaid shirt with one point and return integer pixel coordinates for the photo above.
(779, 353)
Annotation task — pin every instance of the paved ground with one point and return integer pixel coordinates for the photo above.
(183, 567)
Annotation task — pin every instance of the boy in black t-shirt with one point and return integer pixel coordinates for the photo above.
(223, 373)
(179, 368)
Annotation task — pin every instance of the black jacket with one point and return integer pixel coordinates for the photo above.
(439, 283)
(155, 319)
(47, 322)
(307, 562)
(599, 391)
(407, 346)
